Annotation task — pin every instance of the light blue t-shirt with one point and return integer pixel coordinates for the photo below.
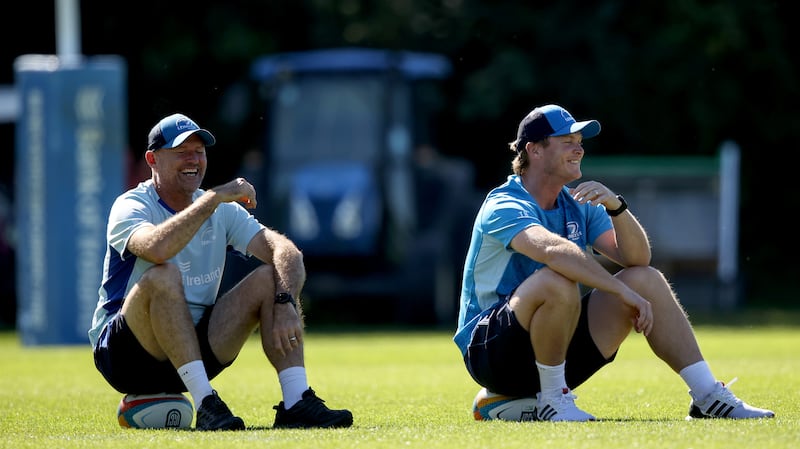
(493, 270)
(201, 262)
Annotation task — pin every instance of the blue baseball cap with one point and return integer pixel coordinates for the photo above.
(171, 131)
(553, 120)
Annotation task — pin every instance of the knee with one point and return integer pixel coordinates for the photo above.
(264, 275)
(556, 284)
(161, 276)
(648, 282)
(641, 276)
(552, 288)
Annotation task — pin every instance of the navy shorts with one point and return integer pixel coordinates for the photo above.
(130, 369)
(500, 356)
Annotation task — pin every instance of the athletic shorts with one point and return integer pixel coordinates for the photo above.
(130, 369)
(500, 356)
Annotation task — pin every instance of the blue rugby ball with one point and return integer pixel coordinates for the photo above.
(155, 411)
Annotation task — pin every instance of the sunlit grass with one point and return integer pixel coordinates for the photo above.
(409, 389)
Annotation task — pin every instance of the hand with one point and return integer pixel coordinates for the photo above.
(287, 330)
(237, 190)
(596, 193)
(642, 320)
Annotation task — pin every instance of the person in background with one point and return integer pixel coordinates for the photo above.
(523, 328)
(160, 324)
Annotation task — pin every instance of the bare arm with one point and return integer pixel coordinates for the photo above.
(288, 270)
(566, 258)
(276, 249)
(572, 262)
(627, 244)
(161, 242)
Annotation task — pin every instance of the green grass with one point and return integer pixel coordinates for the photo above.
(409, 389)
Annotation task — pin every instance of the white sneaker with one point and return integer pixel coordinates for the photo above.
(560, 407)
(722, 403)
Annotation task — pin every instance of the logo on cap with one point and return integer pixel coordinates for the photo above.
(184, 123)
(566, 116)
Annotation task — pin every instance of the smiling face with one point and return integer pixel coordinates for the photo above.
(561, 158)
(178, 172)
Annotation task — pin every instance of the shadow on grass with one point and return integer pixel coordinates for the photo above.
(748, 316)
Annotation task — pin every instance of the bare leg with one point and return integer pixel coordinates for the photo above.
(243, 309)
(157, 314)
(548, 306)
(672, 338)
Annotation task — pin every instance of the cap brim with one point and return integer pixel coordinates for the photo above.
(208, 138)
(588, 129)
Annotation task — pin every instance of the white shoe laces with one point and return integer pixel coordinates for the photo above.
(563, 401)
(727, 394)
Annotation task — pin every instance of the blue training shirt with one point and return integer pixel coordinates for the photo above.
(493, 270)
(201, 261)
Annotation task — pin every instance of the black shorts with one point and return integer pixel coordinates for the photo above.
(500, 356)
(130, 369)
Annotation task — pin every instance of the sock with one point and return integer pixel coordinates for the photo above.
(551, 378)
(193, 375)
(293, 384)
(699, 379)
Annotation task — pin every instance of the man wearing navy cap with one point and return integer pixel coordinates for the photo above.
(159, 325)
(523, 328)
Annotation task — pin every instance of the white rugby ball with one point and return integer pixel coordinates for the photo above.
(488, 406)
(155, 411)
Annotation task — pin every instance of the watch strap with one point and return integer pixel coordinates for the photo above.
(284, 298)
(622, 207)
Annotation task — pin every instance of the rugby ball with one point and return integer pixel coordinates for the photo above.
(488, 406)
(155, 411)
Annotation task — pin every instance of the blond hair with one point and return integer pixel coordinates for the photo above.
(521, 161)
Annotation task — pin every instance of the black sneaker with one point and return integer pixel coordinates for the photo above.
(311, 412)
(213, 414)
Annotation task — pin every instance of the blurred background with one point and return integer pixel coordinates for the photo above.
(673, 84)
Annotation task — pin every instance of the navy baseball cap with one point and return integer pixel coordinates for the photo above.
(553, 120)
(171, 131)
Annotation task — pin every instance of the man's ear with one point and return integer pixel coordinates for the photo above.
(150, 157)
(533, 148)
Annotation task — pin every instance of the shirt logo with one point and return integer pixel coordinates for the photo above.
(207, 237)
(573, 231)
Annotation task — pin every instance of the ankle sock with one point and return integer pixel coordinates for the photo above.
(552, 379)
(699, 379)
(194, 376)
(293, 384)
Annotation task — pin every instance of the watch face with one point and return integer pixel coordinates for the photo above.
(283, 298)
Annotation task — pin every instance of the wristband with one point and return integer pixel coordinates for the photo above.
(622, 207)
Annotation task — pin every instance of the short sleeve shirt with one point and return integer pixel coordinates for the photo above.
(493, 270)
(201, 262)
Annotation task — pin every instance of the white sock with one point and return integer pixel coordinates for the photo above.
(552, 379)
(293, 384)
(194, 376)
(699, 379)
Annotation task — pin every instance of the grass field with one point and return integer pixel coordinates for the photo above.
(409, 389)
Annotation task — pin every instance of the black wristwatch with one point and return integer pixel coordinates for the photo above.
(622, 207)
(283, 298)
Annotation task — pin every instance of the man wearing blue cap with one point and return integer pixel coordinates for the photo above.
(523, 328)
(159, 325)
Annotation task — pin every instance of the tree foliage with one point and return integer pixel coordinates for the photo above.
(676, 77)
